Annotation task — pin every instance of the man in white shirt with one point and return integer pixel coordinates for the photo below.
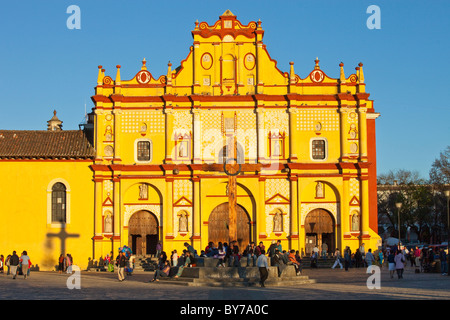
(263, 266)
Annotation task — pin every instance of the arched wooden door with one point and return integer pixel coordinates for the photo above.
(218, 226)
(319, 229)
(143, 233)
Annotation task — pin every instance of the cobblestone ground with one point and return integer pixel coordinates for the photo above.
(331, 285)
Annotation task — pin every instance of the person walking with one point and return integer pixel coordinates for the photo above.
(370, 259)
(347, 258)
(391, 263)
(8, 265)
(337, 255)
(121, 263)
(24, 261)
(263, 267)
(443, 258)
(14, 262)
(399, 264)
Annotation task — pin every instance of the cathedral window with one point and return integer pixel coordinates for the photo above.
(318, 149)
(58, 203)
(143, 151)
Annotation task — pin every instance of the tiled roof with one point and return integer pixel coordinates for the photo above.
(69, 144)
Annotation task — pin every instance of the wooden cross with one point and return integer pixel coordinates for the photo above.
(232, 168)
(63, 235)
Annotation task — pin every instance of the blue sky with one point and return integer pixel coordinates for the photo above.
(45, 66)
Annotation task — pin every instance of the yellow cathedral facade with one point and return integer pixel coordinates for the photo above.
(140, 172)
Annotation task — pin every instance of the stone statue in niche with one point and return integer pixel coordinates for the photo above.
(276, 148)
(183, 223)
(143, 191)
(182, 152)
(277, 222)
(108, 224)
(319, 190)
(355, 222)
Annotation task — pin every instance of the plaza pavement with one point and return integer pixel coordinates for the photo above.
(330, 285)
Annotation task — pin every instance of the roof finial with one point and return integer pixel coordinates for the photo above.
(144, 62)
(342, 74)
(317, 63)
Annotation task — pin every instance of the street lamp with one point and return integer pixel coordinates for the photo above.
(398, 205)
(447, 195)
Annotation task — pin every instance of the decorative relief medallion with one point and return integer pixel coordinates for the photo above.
(249, 61)
(143, 77)
(353, 78)
(207, 61)
(317, 76)
(109, 151)
(107, 80)
(353, 148)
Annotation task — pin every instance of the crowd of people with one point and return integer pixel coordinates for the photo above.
(16, 265)
(395, 258)
(230, 255)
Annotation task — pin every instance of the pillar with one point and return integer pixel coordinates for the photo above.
(261, 211)
(294, 212)
(261, 134)
(117, 127)
(343, 119)
(169, 135)
(168, 217)
(362, 134)
(197, 215)
(364, 208)
(197, 136)
(293, 144)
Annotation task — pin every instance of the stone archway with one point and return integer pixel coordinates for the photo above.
(218, 226)
(319, 229)
(143, 234)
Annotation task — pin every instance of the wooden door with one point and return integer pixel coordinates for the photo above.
(320, 223)
(218, 226)
(141, 225)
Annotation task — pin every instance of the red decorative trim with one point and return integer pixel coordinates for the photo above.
(286, 200)
(176, 204)
(354, 202)
(218, 29)
(211, 61)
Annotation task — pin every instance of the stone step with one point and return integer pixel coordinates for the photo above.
(236, 282)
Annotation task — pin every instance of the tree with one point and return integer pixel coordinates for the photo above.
(440, 169)
(416, 198)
